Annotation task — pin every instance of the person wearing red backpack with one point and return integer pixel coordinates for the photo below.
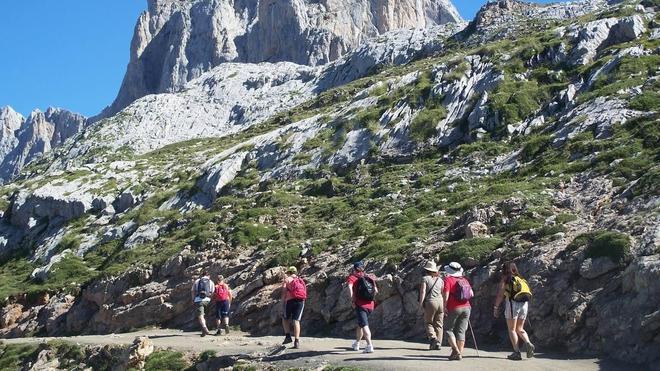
(362, 289)
(456, 293)
(222, 297)
(294, 294)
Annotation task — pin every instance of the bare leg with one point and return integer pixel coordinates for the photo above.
(460, 344)
(225, 321)
(296, 329)
(286, 326)
(367, 334)
(218, 323)
(451, 339)
(513, 336)
(358, 334)
(520, 331)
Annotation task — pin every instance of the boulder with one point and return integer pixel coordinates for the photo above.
(476, 230)
(142, 235)
(136, 355)
(10, 314)
(596, 267)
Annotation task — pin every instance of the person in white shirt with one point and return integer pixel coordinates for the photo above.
(201, 293)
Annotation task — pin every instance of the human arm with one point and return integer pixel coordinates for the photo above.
(351, 293)
(498, 299)
(422, 293)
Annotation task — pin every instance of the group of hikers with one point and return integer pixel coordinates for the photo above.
(443, 296)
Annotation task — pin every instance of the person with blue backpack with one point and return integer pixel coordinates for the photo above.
(201, 293)
(513, 290)
(362, 289)
(294, 294)
(456, 293)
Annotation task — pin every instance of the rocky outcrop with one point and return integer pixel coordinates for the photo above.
(175, 41)
(21, 140)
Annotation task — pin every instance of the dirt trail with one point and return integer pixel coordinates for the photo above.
(315, 352)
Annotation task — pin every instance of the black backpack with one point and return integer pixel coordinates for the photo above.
(366, 288)
(203, 287)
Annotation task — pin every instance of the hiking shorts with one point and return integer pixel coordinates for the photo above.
(457, 322)
(362, 316)
(515, 309)
(294, 309)
(201, 307)
(222, 308)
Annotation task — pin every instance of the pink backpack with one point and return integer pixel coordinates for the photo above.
(298, 289)
(463, 290)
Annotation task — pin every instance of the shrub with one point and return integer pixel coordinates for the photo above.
(475, 248)
(165, 360)
(423, 126)
(13, 355)
(613, 245)
(249, 234)
(648, 101)
(534, 146)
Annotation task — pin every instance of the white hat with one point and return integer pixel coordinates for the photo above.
(454, 269)
(431, 267)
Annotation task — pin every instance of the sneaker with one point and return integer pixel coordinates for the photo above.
(530, 350)
(296, 344)
(219, 332)
(205, 332)
(369, 349)
(287, 340)
(515, 356)
(455, 356)
(356, 345)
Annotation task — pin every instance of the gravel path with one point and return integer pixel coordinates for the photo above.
(316, 352)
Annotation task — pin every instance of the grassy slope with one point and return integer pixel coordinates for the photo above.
(332, 210)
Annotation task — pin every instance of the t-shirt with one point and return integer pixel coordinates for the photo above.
(433, 288)
(286, 287)
(210, 293)
(353, 281)
(452, 302)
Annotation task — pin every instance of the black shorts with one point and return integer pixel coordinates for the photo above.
(222, 308)
(293, 309)
(362, 315)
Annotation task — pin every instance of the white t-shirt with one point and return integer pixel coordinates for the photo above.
(208, 297)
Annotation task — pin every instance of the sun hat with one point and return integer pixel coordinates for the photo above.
(454, 269)
(431, 267)
(292, 269)
(358, 265)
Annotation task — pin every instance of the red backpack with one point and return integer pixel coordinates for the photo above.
(298, 289)
(221, 292)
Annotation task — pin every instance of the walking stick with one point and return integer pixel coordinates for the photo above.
(474, 339)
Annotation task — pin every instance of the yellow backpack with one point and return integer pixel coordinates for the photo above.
(519, 289)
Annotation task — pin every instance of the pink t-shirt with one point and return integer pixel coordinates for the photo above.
(452, 302)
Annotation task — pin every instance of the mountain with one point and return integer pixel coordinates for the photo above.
(177, 41)
(529, 134)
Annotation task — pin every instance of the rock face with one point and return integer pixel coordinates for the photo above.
(23, 140)
(177, 41)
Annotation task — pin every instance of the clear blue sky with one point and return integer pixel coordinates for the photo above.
(73, 53)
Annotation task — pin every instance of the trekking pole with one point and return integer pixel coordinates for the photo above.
(474, 339)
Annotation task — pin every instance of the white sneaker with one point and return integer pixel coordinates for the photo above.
(369, 349)
(356, 345)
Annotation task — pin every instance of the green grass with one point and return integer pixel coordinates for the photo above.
(166, 360)
(476, 248)
(423, 126)
(613, 245)
(13, 356)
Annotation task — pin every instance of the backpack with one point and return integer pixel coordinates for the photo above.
(298, 289)
(203, 287)
(221, 292)
(519, 289)
(366, 289)
(463, 290)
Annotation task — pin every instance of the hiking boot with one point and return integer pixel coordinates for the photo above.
(296, 344)
(356, 345)
(515, 356)
(530, 350)
(454, 356)
(369, 349)
(434, 344)
(287, 339)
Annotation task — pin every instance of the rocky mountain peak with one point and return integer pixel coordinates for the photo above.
(176, 41)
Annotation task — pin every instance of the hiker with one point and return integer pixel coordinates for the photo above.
(456, 293)
(431, 301)
(201, 292)
(222, 296)
(294, 294)
(362, 289)
(514, 291)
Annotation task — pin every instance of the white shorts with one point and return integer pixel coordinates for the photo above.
(515, 309)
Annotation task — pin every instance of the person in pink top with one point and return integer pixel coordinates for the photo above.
(362, 289)
(457, 310)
